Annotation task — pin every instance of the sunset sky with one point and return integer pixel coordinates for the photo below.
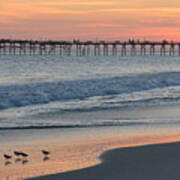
(90, 19)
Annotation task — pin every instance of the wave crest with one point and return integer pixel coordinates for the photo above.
(41, 93)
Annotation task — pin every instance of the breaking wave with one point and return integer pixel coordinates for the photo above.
(21, 95)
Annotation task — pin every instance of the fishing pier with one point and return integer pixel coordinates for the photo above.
(88, 48)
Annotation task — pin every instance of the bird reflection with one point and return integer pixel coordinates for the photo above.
(25, 161)
(17, 160)
(46, 159)
(7, 163)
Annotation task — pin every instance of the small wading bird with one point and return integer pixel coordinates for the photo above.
(46, 153)
(17, 153)
(24, 155)
(6, 156)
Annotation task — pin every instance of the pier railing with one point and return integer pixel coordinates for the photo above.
(88, 48)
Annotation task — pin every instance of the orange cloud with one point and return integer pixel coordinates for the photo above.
(115, 18)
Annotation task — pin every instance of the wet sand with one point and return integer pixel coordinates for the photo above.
(77, 148)
(69, 154)
(152, 162)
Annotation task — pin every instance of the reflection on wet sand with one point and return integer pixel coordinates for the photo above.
(7, 163)
(46, 158)
(25, 161)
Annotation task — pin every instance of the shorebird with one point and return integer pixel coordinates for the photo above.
(45, 152)
(17, 153)
(24, 155)
(6, 156)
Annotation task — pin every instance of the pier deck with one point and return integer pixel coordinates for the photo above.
(88, 48)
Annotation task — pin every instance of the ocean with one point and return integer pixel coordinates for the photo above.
(51, 91)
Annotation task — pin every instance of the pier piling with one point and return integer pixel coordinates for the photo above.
(88, 48)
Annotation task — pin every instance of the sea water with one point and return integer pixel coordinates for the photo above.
(50, 91)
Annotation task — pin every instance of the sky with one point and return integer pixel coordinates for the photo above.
(90, 19)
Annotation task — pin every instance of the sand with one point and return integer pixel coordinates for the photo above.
(67, 153)
(77, 148)
(151, 162)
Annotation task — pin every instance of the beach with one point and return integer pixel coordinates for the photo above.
(79, 148)
(79, 108)
(89, 90)
(152, 162)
